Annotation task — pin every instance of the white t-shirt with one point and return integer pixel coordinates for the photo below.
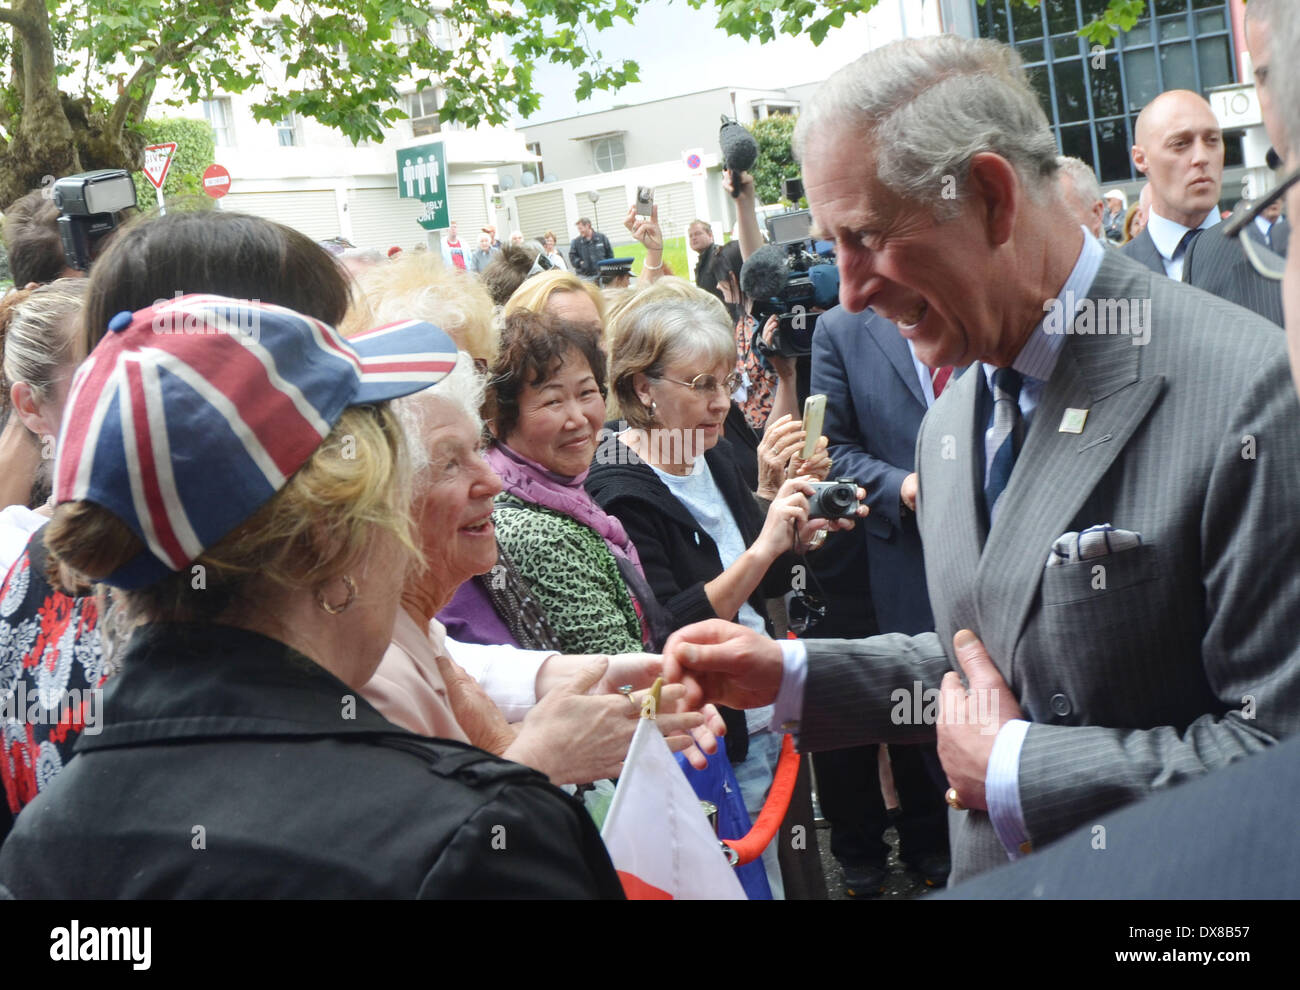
(700, 494)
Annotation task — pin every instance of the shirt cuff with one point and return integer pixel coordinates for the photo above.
(1002, 788)
(506, 673)
(787, 711)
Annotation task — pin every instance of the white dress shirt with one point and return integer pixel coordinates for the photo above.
(1167, 235)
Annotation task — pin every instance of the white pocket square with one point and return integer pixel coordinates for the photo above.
(1093, 542)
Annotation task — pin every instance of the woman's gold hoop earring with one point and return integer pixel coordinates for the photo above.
(337, 609)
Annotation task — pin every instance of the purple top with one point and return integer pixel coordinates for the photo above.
(470, 617)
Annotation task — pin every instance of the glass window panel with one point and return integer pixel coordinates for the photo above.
(1163, 7)
(1038, 80)
(1203, 4)
(1114, 165)
(1233, 156)
(1066, 46)
(1070, 99)
(1107, 100)
(1216, 62)
(1031, 51)
(1210, 22)
(1177, 66)
(1173, 28)
(1061, 16)
(1093, 8)
(995, 14)
(1140, 35)
(1140, 74)
(1076, 141)
(1026, 22)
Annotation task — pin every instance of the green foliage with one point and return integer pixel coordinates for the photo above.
(194, 153)
(775, 155)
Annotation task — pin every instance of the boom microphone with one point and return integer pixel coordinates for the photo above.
(764, 273)
(739, 152)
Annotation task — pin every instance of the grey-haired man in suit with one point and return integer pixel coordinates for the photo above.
(1178, 145)
(1106, 506)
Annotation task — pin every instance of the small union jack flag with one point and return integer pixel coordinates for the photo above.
(191, 414)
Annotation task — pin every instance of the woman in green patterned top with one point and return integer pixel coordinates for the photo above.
(546, 404)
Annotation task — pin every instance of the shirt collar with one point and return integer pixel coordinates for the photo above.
(1037, 359)
(1167, 234)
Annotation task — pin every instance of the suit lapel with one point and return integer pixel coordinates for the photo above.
(1143, 249)
(1056, 472)
(889, 340)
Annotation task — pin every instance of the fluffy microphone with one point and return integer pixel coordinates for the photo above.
(739, 152)
(764, 273)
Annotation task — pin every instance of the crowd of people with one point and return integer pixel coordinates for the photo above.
(329, 576)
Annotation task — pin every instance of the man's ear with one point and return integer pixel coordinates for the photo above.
(30, 411)
(1140, 158)
(995, 185)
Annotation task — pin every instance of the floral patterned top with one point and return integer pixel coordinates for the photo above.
(760, 377)
(51, 670)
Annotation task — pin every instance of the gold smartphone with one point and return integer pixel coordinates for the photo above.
(814, 414)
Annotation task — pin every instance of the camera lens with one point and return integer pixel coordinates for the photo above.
(839, 499)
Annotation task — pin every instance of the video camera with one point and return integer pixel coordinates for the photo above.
(788, 279)
(90, 205)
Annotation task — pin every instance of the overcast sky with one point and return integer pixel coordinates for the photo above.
(680, 51)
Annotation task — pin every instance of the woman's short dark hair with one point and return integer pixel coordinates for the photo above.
(229, 254)
(533, 347)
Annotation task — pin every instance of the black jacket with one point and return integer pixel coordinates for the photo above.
(586, 255)
(231, 766)
(679, 557)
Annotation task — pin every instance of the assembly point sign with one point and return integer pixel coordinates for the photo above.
(421, 175)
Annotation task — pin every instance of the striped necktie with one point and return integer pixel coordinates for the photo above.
(1002, 444)
(939, 378)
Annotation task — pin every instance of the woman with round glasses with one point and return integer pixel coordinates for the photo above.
(708, 548)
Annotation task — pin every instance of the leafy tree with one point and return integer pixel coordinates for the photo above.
(775, 155)
(82, 74)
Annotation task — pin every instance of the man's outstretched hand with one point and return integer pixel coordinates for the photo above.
(724, 663)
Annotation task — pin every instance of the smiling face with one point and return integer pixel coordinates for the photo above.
(936, 281)
(560, 418)
(454, 508)
(1179, 147)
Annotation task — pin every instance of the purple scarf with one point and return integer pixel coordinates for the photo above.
(533, 483)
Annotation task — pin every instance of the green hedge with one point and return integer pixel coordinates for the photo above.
(195, 151)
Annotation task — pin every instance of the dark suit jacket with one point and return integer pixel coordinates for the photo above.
(874, 407)
(1279, 234)
(1218, 265)
(1216, 838)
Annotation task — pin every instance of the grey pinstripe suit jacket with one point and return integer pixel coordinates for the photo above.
(1135, 681)
(1280, 233)
(1218, 265)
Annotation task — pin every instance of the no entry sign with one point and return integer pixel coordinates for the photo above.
(216, 181)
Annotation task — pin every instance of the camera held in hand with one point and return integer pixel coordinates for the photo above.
(836, 499)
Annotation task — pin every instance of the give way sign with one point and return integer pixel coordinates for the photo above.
(157, 159)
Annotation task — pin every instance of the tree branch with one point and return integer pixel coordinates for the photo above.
(22, 22)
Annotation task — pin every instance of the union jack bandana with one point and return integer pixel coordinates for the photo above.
(190, 415)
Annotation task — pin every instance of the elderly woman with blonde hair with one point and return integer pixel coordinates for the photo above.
(580, 730)
(560, 294)
(420, 286)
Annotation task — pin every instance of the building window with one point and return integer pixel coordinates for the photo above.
(765, 110)
(534, 168)
(287, 130)
(1092, 97)
(423, 108)
(217, 112)
(607, 154)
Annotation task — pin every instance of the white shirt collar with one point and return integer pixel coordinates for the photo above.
(1167, 234)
